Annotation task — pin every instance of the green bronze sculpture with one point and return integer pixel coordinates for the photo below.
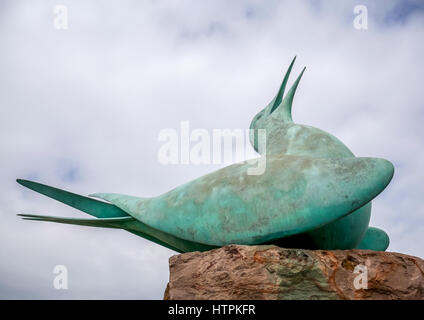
(313, 194)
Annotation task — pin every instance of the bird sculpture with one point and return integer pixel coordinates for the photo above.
(313, 194)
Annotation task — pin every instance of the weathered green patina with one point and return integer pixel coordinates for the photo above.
(314, 193)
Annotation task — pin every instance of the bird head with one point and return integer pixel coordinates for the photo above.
(278, 112)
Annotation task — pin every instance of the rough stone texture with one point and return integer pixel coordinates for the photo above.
(270, 272)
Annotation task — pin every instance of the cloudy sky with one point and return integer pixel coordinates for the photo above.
(81, 109)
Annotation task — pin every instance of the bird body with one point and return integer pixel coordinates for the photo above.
(314, 193)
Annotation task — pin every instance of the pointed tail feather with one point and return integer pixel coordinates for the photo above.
(115, 223)
(103, 223)
(93, 207)
(129, 224)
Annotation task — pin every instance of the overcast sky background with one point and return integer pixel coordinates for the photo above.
(81, 109)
